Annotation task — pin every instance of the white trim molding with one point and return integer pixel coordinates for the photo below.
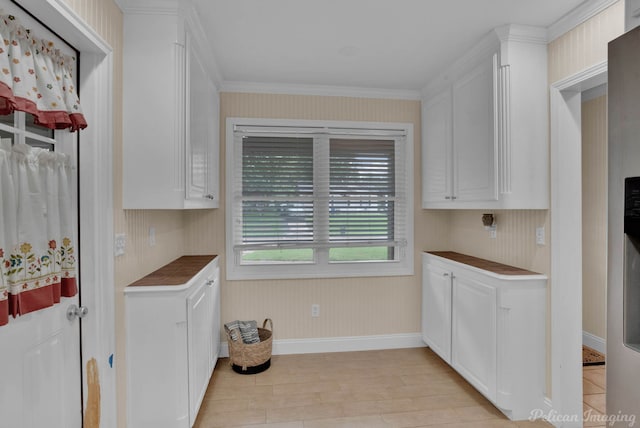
(594, 342)
(340, 344)
(566, 238)
(319, 90)
(577, 16)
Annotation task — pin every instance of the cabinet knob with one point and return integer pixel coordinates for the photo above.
(454, 197)
(210, 282)
(447, 197)
(209, 196)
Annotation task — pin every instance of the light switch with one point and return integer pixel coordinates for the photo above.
(152, 236)
(540, 235)
(120, 244)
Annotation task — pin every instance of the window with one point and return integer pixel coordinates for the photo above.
(308, 199)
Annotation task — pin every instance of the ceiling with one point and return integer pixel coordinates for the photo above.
(381, 44)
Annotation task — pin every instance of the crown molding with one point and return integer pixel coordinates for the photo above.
(157, 7)
(577, 16)
(200, 37)
(522, 33)
(486, 46)
(319, 90)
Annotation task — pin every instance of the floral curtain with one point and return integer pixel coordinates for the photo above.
(36, 78)
(37, 250)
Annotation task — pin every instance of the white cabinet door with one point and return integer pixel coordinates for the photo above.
(215, 321)
(437, 171)
(473, 347)
(436, 310)
(199, 321)
(474, 145)
(201, 132)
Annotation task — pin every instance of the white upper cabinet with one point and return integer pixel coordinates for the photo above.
(485, 126)
(170, 136)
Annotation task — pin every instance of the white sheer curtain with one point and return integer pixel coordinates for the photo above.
(7, 229)
(37, 244)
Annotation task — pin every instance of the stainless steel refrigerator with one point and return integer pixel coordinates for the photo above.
(623, 292)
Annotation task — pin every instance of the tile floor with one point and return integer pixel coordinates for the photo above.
(594, 395)
(390, 388)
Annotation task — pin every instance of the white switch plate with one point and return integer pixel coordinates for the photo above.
(540, 235)
(120, 244)
(152, 236)
(315, 310)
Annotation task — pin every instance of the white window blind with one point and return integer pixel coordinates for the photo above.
(277, 192)
(317, 200)
(363, 196)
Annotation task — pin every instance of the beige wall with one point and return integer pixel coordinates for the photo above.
(586, 44)
(594, 216)
(515, 242)
(350, 306)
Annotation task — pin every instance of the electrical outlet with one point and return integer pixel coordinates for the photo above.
(120, 244)
(152, 236)
(315, 310)
(540, 235)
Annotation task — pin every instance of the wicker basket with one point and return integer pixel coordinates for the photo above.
(251, 358)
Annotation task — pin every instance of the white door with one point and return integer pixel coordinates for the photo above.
(40, 370)
(40, 352)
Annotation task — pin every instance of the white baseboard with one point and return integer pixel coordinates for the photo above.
(340, 344)
(594, 342)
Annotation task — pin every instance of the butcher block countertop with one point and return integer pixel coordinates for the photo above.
(176, 273)
(483, 264)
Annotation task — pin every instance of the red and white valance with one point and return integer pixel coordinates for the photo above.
(37, 245)
(35, 77)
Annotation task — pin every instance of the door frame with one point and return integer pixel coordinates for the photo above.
(95, 195)
(566, 238)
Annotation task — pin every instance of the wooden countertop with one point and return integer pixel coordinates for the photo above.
(178, 272)
(488, 265)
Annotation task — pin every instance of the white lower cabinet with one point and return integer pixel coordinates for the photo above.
(489, 325)
(173, 343)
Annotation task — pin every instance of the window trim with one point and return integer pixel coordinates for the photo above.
(403, 266)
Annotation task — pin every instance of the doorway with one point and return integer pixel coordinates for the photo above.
(96, 197)
(595, 208)
(566, 239)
